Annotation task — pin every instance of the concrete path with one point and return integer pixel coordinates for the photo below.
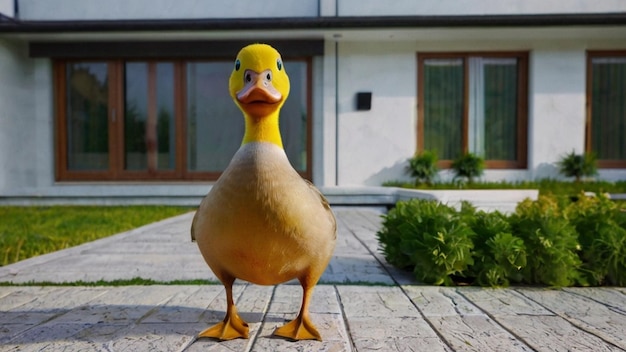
(362, 304)
(163, 251)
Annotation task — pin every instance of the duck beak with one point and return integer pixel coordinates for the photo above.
(258, 96)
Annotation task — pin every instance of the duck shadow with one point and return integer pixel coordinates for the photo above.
(102, 324)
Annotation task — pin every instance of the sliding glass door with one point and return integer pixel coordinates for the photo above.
(162, 120)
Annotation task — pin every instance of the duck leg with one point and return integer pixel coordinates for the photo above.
(301, 328)
(232, 326)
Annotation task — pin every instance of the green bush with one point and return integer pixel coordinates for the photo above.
(429, 236)
(423, 167)
(398, 229)
(578, 165)
(551, 242)
(543, 242)
(602, 235)
(499, 255)
(468, 166)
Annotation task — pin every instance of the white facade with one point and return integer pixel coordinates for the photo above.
(7, 7)
(164, 9)
(470, 7)
(350, 147)
(373, 152)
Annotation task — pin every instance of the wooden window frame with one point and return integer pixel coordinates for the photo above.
(159, 175)
(115, 114)
(591, 54)
(521, 161)
(61, 153)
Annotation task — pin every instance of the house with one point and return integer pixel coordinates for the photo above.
(126, 101)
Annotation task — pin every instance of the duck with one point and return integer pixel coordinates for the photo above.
(261, 222)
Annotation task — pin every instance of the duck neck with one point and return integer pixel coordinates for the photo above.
(262, 129)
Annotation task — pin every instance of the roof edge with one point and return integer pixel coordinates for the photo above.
(9, 25)
(168, 49)
(6, 19)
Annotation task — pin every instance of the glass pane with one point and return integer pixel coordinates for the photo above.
(608, 108)
(135, 116)
(215, 125)
(149, 127)
(500, 109)
(293, 116)
(87, 122)
(166, 126)
(443, 107)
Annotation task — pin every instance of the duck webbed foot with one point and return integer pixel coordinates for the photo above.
(300, 328)
(232, 327)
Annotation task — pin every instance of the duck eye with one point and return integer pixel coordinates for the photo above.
(237, 65)
(279, 64)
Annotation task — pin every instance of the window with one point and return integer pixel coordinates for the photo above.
(162, 120)
(473, 103)
(86, 107)
(606, 108)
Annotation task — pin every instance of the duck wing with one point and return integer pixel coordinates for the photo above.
(324, 203)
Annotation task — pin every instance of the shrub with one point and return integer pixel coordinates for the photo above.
(423, 167)
(551, 241)
(468, 166)
(429, 236)
(602, 235)
(499, 255)
(578, 165)
(397, 228)
(543, 242)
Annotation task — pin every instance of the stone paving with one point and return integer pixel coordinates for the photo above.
(163, 251)
(362, 304)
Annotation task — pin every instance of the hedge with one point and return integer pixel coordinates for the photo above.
(544, 242)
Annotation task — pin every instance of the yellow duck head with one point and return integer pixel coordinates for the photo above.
(259, 85)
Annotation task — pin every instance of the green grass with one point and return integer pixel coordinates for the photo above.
(545, 187)
(356, 283)
(30, 231)
(149, 282)
(130, 282)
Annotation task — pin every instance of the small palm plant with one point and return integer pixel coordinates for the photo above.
(468, 166)
(423, 167)
(578, 165)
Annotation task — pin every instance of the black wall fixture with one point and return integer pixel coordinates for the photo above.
(364, 101)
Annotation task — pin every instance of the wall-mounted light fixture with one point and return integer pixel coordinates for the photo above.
(364, 101)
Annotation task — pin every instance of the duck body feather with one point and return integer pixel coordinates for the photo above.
(262, 223)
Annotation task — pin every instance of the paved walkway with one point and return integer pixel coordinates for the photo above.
(362, 304)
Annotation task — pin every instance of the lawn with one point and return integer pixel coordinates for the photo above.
(30, 231)
(545, 186)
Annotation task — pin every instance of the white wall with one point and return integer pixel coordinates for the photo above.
(473, 7)
(557, 108)
(159, 9)
(328, 7)
(17, 117)
(373, 145)
(7, 8)
(162, 9)
(41, 96)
